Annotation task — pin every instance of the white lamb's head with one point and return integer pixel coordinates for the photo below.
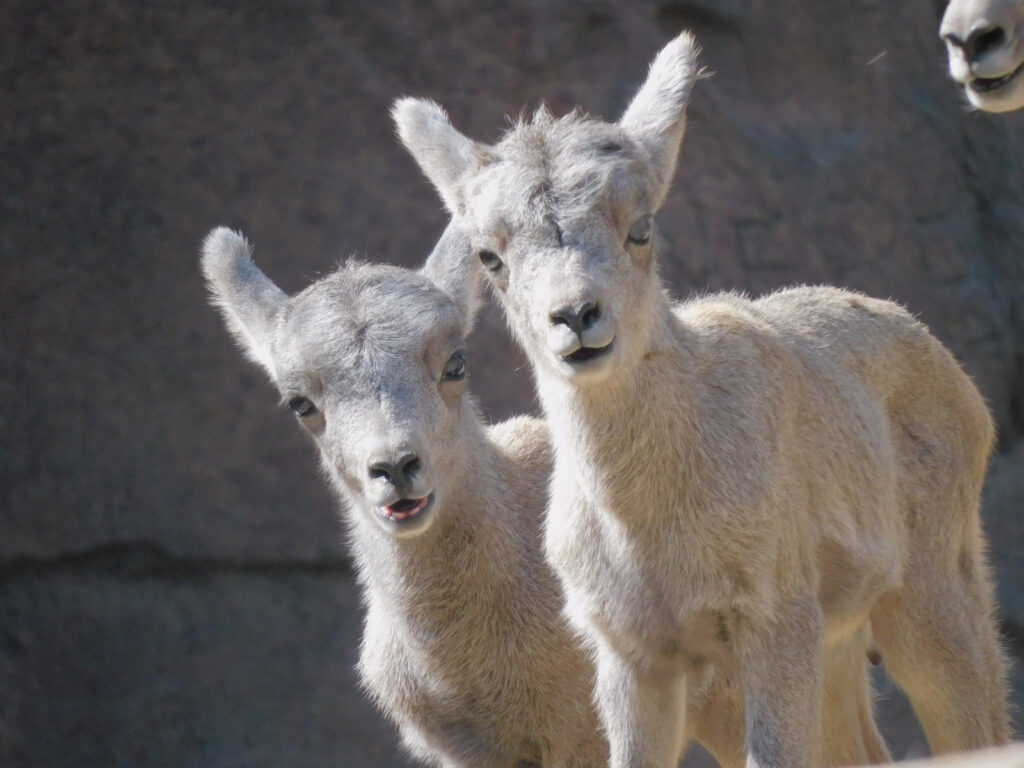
(560, 214)
(985, 43)
(372, 361)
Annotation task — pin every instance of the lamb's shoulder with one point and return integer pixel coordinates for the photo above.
(756, 369)
(730, 347)
(721, 318)
(818, 310)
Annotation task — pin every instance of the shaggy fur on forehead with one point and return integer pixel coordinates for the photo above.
(360, 292)
(560, 166)
(364, 309)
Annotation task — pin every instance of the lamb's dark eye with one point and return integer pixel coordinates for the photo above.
(302, 406)
(640, 232)
(490, 260)
(455, 368)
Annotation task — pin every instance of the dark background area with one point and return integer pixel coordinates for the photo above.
(174, 587)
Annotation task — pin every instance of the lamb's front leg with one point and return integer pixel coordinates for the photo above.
(644, 714)
(781, 668)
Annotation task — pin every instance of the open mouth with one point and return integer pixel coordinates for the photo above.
(406, 509)
(584, 354)
(988, 84)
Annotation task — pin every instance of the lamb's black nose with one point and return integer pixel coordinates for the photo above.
(399, 472)
(577, 318)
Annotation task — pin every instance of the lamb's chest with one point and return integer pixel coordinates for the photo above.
(641, 604)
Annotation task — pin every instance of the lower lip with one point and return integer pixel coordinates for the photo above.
(984, 85)
(408, 514)
(593, 354)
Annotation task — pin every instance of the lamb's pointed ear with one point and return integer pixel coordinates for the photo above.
(246, 297)
(455, 269)
(656, 118)
(444, 155)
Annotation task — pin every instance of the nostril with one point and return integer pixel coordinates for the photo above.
(381, 471)
(411, 466)
(590, 313)
(561, 317)
(984, 41)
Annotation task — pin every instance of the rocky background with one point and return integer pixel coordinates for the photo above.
(174, 587)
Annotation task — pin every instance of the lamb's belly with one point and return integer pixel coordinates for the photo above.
(649, 637)
(852, 580)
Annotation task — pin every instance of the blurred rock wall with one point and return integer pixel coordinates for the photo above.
(174, 587)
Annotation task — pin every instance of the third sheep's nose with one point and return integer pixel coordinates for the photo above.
(980, 42)
(983, 41)
(577, 318)
(398, 472)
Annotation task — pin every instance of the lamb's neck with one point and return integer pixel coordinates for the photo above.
(466, 553)
(609, 434)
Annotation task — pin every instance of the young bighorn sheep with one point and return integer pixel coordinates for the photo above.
(985, 43)
(465, 646)
(764, 484)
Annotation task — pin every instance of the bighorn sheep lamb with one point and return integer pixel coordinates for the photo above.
(465, 646)
(985, 43)
(760, 484)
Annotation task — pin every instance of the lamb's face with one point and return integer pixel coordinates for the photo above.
(561, 219)
(985, 43)
(560, 215)
(372, 361)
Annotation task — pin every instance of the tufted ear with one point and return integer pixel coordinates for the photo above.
(454, 268)
(656, 118)
(444, 155)
(247, 299)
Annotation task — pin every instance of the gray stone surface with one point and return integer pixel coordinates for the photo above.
(173, 584)
(133, 659)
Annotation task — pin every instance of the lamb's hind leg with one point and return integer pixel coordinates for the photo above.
(938, 637)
